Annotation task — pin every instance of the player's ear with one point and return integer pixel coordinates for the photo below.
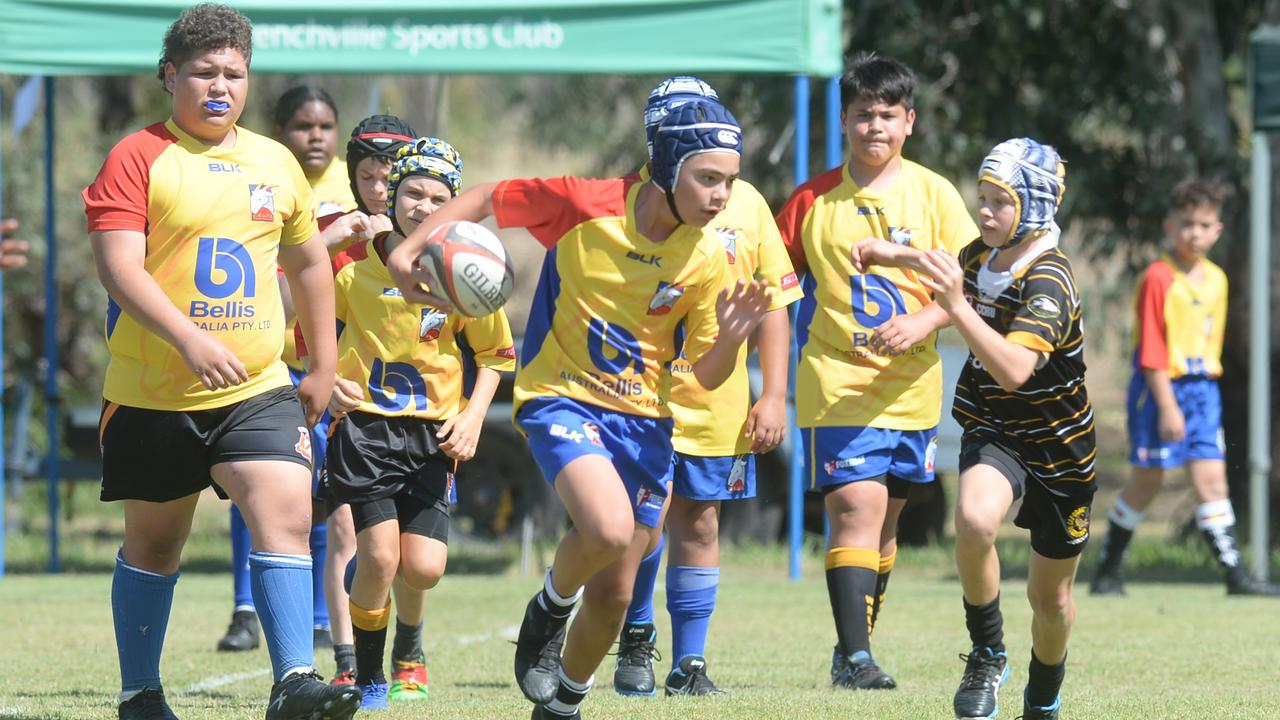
(170, 77)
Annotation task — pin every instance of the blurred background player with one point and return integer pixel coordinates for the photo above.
(393, 455)
(592, 386)
(1028, 424)
(716, 436)
(869, 379)
(13, 252)
(195, 393)
(1175, 411)
(306, 122)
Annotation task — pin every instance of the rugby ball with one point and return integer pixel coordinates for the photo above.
(469, 266)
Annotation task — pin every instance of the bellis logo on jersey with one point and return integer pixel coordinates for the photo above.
(665, 298)
(224, 268)
(262, 203)
(729, 237)
(429, 326)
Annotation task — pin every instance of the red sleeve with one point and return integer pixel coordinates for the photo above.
(791, 217)
(325, 221)
(1153, 348)
(117, 199)
(550, 207)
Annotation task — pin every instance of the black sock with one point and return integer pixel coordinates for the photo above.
(344, 656)
(1113, 548)
(1044, 681)
(406, 646)
(554, 608)
(370, 646)
(986, 624)
(851, 587)
(1224, 545)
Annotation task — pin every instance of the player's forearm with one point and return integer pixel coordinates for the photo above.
(716, 364)
(935, 315)
(1161, 388)
(486, 386)
(888, 254)
(310, 279)
(774, 346)
(1010, 364)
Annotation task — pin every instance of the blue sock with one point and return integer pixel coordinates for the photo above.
(319, 546)
(641, 610)
(282, 592)
(241, 545)
(140, 603)
(691, 598)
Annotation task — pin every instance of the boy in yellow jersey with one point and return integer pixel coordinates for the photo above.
(1028, 424)
(633, 276)
(869, 381)
(716, 436)
(403, 418)
(1175, 410)
(195, 392)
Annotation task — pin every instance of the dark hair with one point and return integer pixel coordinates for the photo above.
(296, 97)
(1195, 192)
(204, 27)
(877, 78)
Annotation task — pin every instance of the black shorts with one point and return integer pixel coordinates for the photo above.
(414, 515)
(1057, 514)
(371, 457)
(163, 455)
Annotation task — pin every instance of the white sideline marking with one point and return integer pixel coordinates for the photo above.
(219, 680)
(509, 632)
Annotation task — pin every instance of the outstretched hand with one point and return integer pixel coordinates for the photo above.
(413, 280)
(740, 309)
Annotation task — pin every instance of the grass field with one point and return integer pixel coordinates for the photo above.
(1169, 650)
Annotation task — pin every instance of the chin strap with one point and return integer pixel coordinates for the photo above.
(671, 203)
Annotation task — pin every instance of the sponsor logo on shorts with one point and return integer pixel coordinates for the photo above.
(593, 433)
(931, 454)
(665, 298)
(1078, 524)
(737, 480)
(262, 203)
(646, 498)
(303, 446)
(1156, 453)
(1043, 306)
(832, 466)
(449, 479)
(564, 433)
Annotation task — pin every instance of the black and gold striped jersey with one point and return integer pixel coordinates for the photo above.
(1048, 422)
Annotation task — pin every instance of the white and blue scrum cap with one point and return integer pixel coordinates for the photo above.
(1035, 176)
(694, 128)
(669, 95)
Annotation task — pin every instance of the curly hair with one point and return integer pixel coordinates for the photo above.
(205, 27)
(1194, 192)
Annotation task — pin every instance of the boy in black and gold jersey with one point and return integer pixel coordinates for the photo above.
(1028, 424)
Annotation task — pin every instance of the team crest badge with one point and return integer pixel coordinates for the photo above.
(665, 298)
(449, 480)
(900, 235)
(1078, 523)
(593, 433)
(729, 237)
(262, 203)
(429, 327)
(737, 480)
(303, 446)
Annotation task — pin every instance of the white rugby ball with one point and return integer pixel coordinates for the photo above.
(469, 266)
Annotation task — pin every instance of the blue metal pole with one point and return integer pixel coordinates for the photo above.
(2, 457)
(51, 325)
(795, 495)
(835, 132)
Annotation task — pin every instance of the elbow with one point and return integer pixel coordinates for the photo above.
(707, 379)
(1012, 382)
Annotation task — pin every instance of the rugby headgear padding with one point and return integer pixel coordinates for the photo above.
(375, 136)
(429, 157)
(1034, 175)
(692, 129)
(669, 95)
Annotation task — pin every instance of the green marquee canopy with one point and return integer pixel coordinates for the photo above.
(97, 37)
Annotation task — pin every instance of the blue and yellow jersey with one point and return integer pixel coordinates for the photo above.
(411, 360)
(1180, 323)
(709, 423)
(840, 380)
(214, 219)
(612, 309)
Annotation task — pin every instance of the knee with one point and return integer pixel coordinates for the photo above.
(1053, 606)
(153, 554)
(974, 527)
(422, 573)
(609, 541)
(701, 530)
(379, 561)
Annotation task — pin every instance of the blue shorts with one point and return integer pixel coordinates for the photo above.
(319, 436)
(562, 430)
(728, 477)
(835, 456)
(1201, 406)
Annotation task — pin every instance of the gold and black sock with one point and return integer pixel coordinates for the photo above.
(882, 586)
(851, 586)
(370, 630)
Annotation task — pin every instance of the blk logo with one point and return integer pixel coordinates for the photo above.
(224, 267)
